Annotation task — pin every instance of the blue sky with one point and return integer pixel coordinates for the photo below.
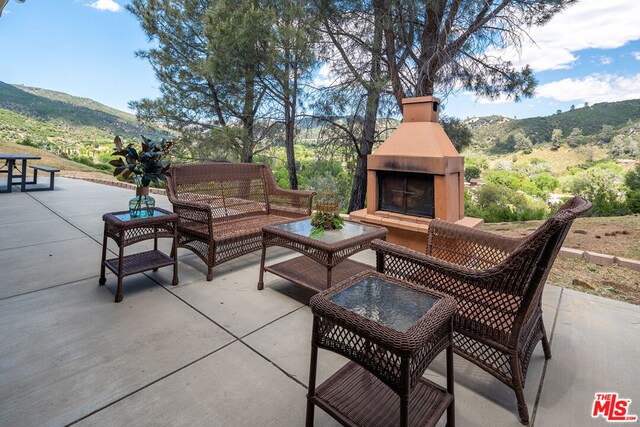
(590, 53)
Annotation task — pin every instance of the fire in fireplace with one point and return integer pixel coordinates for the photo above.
(406, 193)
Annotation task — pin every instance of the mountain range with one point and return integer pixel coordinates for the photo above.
(81, 129)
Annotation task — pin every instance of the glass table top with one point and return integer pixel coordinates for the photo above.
(304, 228)
(385, 302)
(127, 217)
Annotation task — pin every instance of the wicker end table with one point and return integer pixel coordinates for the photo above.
(126, 231)
(391, 330)
(324, 259)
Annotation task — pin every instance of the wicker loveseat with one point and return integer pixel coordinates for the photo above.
(497, 282)
(223, 206)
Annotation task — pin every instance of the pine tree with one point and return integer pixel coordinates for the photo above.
(556, 136)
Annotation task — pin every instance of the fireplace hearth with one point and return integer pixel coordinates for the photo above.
(416, 175)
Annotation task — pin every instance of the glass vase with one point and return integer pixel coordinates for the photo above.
(142, 205)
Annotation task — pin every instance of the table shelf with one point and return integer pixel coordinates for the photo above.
(355, 397)
(307, 272)
(139, 262)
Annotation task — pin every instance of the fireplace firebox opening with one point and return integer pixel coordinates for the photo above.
(406, 193)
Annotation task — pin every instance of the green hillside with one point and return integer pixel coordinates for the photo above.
(82, 130)
(611, 125)
(50, 106)
(74, 128)
(590, 119)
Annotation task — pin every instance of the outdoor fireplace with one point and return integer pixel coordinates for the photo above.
(416, 175)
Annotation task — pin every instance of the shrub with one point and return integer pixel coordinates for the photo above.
(633, 201)
(546, 182)
(632, 181)
(471, 172)
(506, 146)
(515, 181)
(479, 162)
(601, 186)
(322, 175)
(29, 142)
(498, 203)
(624, 146)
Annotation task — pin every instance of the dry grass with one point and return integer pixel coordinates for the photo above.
(613, 282)
(564, 158)
(619, 236)
(48, 159)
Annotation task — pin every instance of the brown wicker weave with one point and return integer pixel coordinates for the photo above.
(384, 383)
(322, 263)
(125, 232)
(223, 206)
(497, 282)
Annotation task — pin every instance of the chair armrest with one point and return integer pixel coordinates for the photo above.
(293, 203)
(403, 263)
(286, 200)
(440, 275)
(190, 212)
(468, 246)
(489, 297)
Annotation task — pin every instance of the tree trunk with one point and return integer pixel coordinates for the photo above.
(248, 118)
(431, 44)
(289, 147)
(290, 122)
(359, 188)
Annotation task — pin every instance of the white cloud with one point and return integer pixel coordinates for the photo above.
(593, 24)
(606, 60)
(593, 88)
(636, 55)
(324, 76)
(108, 5)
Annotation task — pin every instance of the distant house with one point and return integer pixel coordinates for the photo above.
(473, 182)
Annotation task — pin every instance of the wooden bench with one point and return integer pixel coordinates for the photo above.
(223, 207)
(52, 174)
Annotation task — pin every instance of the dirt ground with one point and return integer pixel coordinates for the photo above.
(619, 236)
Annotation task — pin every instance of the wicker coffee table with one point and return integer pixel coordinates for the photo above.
(126, 231)
(324, 259)
(391, 330)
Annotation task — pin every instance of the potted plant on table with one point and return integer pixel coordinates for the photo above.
(327, 216)
(145, 165)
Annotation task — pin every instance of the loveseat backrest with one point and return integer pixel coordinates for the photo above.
(233, 190)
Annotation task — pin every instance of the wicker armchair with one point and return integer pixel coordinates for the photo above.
(497, 282)
(223, 207)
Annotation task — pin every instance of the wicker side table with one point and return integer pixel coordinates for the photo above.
(126, 231)
(391, 330)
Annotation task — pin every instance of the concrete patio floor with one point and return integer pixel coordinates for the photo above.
(222, 353)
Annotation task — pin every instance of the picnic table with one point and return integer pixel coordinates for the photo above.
(10, 163)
